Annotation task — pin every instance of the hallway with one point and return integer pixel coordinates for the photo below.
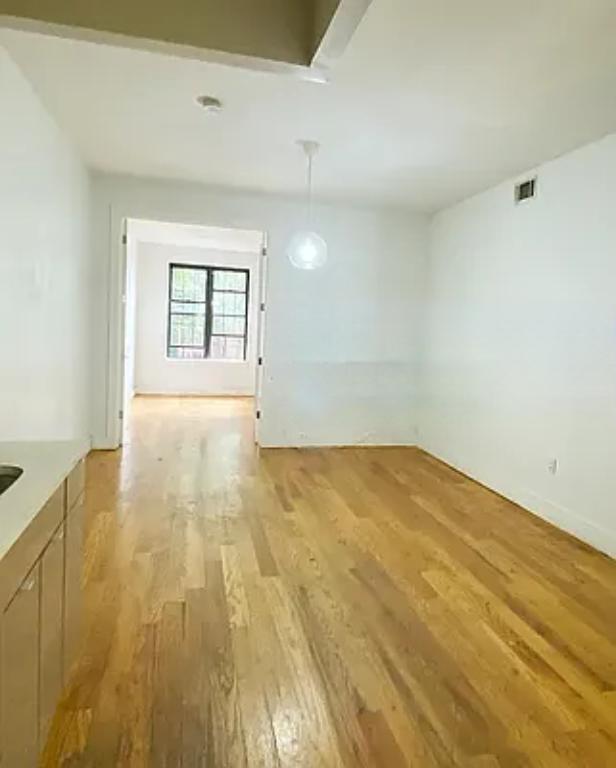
(333, 607)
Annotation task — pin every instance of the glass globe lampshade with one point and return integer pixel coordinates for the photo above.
(307, 250)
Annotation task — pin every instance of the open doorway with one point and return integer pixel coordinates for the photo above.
(193, 313)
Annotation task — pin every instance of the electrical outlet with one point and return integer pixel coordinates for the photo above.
(553, 466)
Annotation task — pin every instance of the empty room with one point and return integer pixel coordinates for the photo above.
(308, 384)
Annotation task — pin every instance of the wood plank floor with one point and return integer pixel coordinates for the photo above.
(354, 607)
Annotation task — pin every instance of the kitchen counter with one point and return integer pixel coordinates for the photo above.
(45, 465)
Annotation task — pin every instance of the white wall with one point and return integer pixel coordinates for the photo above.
(341, 344)
(154, 372)
(520, 345)
(45, 274)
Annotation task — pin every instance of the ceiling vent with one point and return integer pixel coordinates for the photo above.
(525, 190)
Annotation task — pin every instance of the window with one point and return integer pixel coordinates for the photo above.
(208, 313)
(188, 290)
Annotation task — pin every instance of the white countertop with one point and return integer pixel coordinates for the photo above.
(45, 465)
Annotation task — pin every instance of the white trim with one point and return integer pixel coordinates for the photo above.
(341, 28)
(260, 350)
(103, 445)
(115, 347)
(562, 518)
(569, 521)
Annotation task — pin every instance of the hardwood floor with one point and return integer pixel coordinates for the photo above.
(335, 607)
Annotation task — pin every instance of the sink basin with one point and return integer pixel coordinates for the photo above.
(8, 475)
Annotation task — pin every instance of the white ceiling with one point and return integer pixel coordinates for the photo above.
(432, 101)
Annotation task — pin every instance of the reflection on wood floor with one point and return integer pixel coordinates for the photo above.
(334, 607)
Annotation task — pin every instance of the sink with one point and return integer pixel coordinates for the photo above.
(8, 475)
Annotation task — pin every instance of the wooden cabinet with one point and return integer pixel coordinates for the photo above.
(20, 675)
(72, 583)
(28, 548)
(75, 484)
(40, 621)
(51, 630)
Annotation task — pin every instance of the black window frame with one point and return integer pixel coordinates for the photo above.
(210, 270)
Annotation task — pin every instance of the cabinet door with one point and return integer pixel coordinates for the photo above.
(75, 484)
(20, 675)
(52, 608)
(72, 584)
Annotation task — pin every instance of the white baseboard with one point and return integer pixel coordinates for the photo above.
(598, 537)
(565, 519)
(102, 444)
(311, 446)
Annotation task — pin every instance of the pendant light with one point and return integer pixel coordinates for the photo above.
(307, 249)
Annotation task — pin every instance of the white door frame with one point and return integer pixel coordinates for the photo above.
(260, 368)
(114, 381)
(123, 303)
(116, 307)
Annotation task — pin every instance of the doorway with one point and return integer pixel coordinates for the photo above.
(193, 313)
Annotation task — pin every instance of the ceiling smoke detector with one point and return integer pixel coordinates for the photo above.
(210, 103)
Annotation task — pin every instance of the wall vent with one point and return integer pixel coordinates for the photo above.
(525, 190)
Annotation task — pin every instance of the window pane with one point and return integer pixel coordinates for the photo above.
(234, 349)
(191, 308)
(229, 303)
(228, 325)
(186, 353)
(188, 284)
(227, 348)
(239, 301)
(226, 280)
(187, 329)
(217, 347)
(235, 304)
(220, 280)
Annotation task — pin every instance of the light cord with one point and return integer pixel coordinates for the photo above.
(310, 217)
